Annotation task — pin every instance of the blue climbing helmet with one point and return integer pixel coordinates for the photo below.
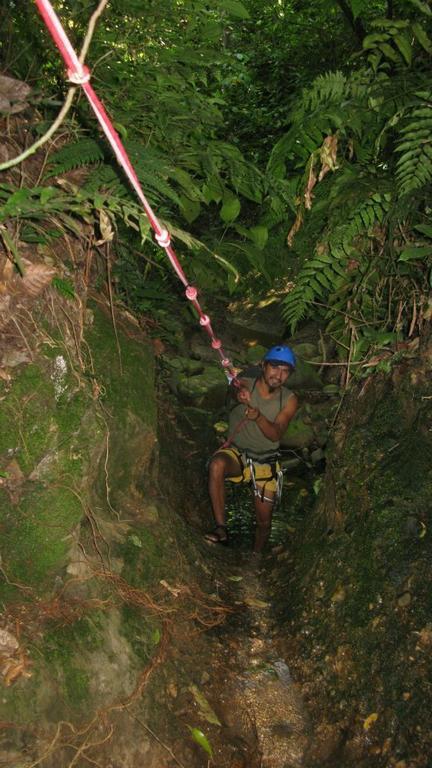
(280, 355)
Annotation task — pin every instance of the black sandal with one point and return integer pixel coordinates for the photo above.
(217, 536)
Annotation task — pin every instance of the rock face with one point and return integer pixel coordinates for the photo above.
(78, 447)
(359, 599)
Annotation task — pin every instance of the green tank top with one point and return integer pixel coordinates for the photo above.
(249, 438)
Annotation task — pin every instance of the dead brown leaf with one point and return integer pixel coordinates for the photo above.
(312, 180)
(328, 156)
(295, 228)
(36, 278)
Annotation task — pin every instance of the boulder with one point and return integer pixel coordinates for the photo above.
(298, 435)
(261, 323)
(204, 390)
(305, 376)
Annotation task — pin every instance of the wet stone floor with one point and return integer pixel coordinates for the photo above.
(264, 724)
(250, 686)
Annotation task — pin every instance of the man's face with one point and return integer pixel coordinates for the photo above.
(275, 375)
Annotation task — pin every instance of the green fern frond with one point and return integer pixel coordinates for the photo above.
(327, 89)
(154, 171)
(244, 177)
(414, 167)
(75, 155)
(326, 272)
(318, 277)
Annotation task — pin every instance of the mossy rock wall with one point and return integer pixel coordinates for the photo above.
(78, 453)
(358, 610)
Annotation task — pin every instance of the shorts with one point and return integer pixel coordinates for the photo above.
(266, 474)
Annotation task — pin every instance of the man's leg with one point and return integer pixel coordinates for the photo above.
(263, 513)
(221, 466)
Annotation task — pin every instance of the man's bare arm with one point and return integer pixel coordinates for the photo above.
(274, 430)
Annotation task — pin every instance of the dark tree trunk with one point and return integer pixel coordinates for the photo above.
(355, 24)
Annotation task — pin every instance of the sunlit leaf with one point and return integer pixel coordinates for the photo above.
(199, 737)
(415, 252)
(253, 602)
(404, 46)
(357, 6)
(234, 8)
(230, 208)
(422, 37)
(422, 6)
(204, 707)
(259, 235)
(370, 720)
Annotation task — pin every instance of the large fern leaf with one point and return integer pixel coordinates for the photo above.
(326, 271)
(414, 167)
(75, 154)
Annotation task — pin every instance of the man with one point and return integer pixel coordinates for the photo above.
(259, 418)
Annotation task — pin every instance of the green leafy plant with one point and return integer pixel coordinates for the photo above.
(359, 153)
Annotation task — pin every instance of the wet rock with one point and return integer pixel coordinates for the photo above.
(327, 741)
(298, 435)
(290, 464)
(317, 456)
(262, 323)
(331, 389)
(201, 350)
(305, 376)
(305, 351)
(338, 595)
(205, 389)
(283, 672)
(404, 600)
(255, 354)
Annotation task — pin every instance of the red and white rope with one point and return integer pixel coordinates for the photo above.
(78, 74)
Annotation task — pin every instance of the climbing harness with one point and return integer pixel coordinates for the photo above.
(248, 462)
(256, 471)
(78, 74)
(276, 474)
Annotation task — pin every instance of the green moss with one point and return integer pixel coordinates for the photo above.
(143, 556)
(142, 632)
(34, 533)
(60, 681)
(65, 650)
(127, 378)
(26, 421)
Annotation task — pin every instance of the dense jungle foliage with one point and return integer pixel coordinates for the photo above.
(283, 143)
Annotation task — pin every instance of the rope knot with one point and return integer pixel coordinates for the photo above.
(226, 363)
(216, 343)
(204, 320)
(191, 293)
(163, 238)
(79, 78)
